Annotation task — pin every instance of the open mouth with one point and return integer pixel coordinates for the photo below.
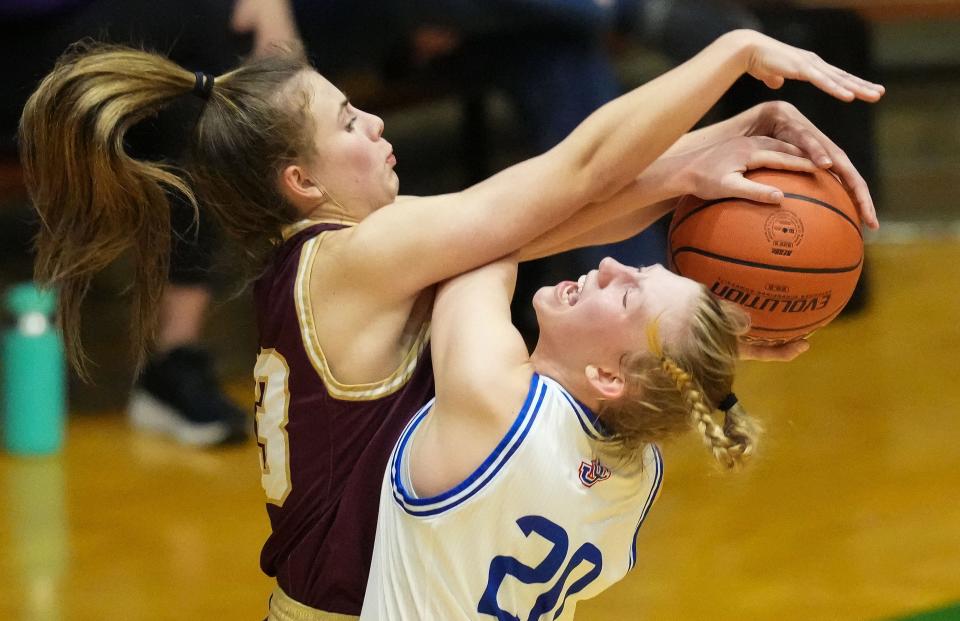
(570, 291)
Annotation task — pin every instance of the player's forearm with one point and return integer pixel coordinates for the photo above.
(619, 217)
(611, 232)
(624, 138)
(628, 134)
(711, 134)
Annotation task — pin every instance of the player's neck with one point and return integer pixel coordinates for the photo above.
(575, 382)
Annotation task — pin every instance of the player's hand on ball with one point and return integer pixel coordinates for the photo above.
(773, 62)
(781, 120)
(717, 171)
(773, 353)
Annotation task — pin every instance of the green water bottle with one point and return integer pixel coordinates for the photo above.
(34, 382)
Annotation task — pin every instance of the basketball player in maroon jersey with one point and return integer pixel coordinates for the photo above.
(305, 182)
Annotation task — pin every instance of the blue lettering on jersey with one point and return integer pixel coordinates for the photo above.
(593, 472)
(545, 571)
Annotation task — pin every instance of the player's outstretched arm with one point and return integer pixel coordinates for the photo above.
(596, 161)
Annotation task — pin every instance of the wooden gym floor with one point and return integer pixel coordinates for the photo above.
(850, 511)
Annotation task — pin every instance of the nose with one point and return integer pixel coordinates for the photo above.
(377, 125)
(609, 270)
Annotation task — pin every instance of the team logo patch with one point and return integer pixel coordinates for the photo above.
(593, 472)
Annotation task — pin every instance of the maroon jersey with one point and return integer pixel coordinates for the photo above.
(324, 445)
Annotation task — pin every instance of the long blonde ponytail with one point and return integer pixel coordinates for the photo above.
(96, 202)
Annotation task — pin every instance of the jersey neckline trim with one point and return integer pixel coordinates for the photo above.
(589, 421)
(290, 230)
(311, 344)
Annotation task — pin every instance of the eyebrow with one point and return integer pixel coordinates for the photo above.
(343, 106)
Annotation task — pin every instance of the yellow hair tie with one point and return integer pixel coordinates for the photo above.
(653, 338)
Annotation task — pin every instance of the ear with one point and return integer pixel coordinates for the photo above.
(606, 384)
(299, 187)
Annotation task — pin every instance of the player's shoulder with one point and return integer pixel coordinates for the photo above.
(327, 253)
(494, 396)
(525, 394)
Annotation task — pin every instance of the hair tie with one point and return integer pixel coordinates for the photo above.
(202, 84)
(653, 339)
(728, 402)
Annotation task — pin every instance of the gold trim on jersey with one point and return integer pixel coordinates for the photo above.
(285, 608)
(308, 333)
(292, 229)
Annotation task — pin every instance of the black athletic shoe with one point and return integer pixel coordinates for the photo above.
(178, 395)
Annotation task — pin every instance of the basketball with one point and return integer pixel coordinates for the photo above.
(792, 267)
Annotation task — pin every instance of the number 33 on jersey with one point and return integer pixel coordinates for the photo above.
(271, 405)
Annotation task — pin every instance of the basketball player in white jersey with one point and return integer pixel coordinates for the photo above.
(520, 489)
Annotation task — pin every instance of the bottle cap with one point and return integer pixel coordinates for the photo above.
(29, 298)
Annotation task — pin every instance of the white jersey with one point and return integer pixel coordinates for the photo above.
(540, 525)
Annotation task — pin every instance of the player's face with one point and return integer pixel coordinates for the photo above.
(603, 315)
(353, 163)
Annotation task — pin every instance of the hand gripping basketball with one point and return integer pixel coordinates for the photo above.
(791, 267)
(782, 120)
(717, 171)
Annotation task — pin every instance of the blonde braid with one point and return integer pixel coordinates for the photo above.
(724, 450)
(668, 393)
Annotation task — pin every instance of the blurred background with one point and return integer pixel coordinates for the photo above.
(850, 512)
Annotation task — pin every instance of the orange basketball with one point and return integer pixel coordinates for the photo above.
(792, 267)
